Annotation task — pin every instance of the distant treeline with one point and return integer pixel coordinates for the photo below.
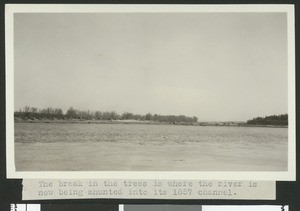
(270, 120)
(32, 113)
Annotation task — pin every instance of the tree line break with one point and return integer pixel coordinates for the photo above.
(33, 114)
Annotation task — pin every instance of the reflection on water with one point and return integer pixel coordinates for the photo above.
(84, 147)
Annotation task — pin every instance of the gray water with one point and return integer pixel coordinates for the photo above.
(96, 147)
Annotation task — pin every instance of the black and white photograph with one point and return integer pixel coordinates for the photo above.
(151, 89)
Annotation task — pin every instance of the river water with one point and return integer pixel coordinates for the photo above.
(139, 147)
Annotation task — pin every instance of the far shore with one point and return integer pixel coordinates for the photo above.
(83, 121)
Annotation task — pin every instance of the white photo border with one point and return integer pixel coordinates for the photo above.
(10, 9)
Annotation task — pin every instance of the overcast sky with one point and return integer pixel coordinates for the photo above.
(215, 66)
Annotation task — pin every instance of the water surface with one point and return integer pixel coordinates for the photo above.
(96, 147)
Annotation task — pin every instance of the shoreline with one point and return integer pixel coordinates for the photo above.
(77, 121)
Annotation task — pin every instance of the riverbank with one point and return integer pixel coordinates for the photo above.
(93, 121)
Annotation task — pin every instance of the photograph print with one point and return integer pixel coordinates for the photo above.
(150, 90)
